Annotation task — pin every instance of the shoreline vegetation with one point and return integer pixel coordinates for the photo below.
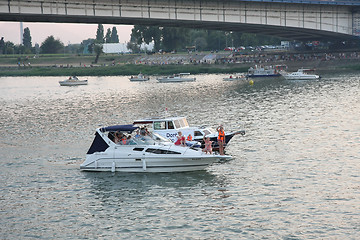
(166, 64)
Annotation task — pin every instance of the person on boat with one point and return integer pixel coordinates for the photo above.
(180, 140)
(221, 139)
(189, 138)
(208, 145)
(137, 135)
(130, 141)
(117, 138)
(123, 140)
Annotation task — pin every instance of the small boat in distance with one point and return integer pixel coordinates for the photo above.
(180, 77)
(265, 71)
(73, 81)
(139, 78)
(139, 151)
(236, 77)
(301, 74)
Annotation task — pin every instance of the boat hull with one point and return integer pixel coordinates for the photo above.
(169, 80)
(67, 83)
(301, 78)
(150, 164)
(139, 79)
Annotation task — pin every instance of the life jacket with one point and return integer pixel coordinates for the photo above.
(124, 141)
(221, 135)
(189, 138)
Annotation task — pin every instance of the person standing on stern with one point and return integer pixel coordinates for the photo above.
(221, 139)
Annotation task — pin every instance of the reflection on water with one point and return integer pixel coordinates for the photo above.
(295, 174)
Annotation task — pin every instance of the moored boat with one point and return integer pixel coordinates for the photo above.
(148, 152)
(169, 127)
(235, 77)
(301, 74)
(73, 81)
(265, 71)
(139, 78)
(181, 77)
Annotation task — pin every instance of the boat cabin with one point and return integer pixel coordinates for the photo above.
(169, 127)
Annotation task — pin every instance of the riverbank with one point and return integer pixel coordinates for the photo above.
(164, 64)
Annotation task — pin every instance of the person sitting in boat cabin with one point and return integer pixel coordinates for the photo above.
(137, 133)
(189, 138)
(118, 137)
(208, 145)
(180, 140)
(123, 140)
(221, 139)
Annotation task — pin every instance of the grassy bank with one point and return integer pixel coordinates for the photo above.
(118, 70)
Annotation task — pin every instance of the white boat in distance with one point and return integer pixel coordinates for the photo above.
(301, 74)
(181, 77)
(73, 81)
(265, 71)
(139, 78)
(236, 77)
(169, 127)
(142, 153)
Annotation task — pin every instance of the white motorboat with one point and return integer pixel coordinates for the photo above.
(265, 71)
(139, 78)
(235, 78)
(73, 81)
(181, 77)
(169, 127)
(142, 153)
(301, 74)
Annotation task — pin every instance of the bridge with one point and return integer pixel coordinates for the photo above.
(288, 19)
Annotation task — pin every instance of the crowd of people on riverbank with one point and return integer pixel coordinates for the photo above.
(251, 58)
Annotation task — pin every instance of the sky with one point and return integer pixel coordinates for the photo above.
(66, 32)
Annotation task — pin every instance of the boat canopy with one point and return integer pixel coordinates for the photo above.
(121, 128)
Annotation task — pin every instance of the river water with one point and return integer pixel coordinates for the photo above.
(294, 175)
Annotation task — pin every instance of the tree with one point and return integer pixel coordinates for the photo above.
(27, 38)
(87, 46)
(2, 46)
(174, 38)
(98, 49)
(50, 45)
(200, 43)
(144, 34)
(114, 36)
(100, 34)
(108, 36)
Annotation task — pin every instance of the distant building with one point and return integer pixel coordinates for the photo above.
(122, 47)
(115, 48)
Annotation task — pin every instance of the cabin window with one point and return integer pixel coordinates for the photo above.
(160, 151)
(177, 124)
(207, 132)
(197, 134)
(138, 149)
(185, 122)
(182, 123)
(171, 125)
(160, 125)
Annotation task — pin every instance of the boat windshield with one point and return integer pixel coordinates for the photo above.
(149, 139)
(186, 124)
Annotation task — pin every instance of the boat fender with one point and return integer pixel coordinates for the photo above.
(144, 164)
(113, 167)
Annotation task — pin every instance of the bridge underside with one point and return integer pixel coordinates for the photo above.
(292, 33)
